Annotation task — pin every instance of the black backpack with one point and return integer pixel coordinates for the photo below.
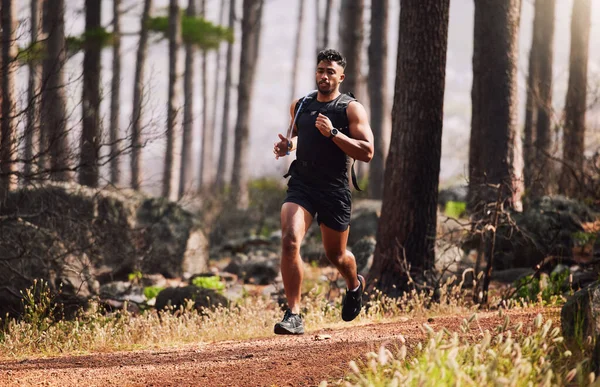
(339, 108)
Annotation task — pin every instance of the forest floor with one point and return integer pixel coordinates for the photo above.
(271, 361)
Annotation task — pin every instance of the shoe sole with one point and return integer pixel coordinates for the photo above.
(279, 330)
(361, 280)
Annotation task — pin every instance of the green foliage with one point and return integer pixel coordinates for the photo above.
(35, 52)
(135, 276)
(548, 289)
(213, 282)
(152, 291)
(194, 30)
(455, 209)
(39, 308)
(582, 238)
(266, 194)
(97, 35)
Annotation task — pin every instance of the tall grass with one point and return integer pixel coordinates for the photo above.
(513, 355)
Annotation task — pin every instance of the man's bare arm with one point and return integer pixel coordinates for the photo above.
(359, 145)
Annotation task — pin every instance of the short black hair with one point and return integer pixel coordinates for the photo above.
(331, 55)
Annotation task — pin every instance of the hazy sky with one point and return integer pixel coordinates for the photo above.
(273, 80)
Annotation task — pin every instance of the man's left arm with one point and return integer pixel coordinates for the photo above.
(359, 145)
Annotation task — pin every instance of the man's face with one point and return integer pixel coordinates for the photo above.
(329, 76)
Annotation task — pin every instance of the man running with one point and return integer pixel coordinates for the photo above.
(331, 129)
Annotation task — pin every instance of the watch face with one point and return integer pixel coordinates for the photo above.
(334, 131)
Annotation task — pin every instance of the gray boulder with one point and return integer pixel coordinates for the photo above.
(363, 251)
(177, 297)
(119, 229)
(31, 253)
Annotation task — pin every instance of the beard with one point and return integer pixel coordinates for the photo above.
(325, 88)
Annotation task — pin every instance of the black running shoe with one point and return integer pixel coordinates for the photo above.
(352, 303)
(290, 325)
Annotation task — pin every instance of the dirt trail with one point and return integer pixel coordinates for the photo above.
(273, 361)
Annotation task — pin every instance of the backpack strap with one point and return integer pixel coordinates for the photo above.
(340, 108)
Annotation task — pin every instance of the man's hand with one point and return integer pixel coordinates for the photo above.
(280, 148)
(324, 125)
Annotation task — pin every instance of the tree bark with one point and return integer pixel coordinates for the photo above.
(138, 90)
(115, 148)
(217, 88)
(91, 134)
(326, 23)
(53, 104)
(225, 130)
(576, 101)
(408, 216)
(185, 169)
(544, 39)
(208, 136)
(492, 155)
(378, 53)
(30, 152)
(8, 135)
(297, 46)
(250, 45)
(351, 34)
(174, 44)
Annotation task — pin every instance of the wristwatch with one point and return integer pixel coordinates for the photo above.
(333, 133)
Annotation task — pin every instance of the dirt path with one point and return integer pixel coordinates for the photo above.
(273, 361)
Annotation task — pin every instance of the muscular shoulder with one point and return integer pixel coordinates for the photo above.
(356, 111)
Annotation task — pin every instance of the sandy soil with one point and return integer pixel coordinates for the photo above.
(274, 361)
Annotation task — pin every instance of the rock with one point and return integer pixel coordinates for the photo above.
(363, 224)
(29, 253)
(314, 252)
(509, 276)
(580, 316)
(261, 272)
(122, 291)
(456, 193)
(202, 298)
(545, 229)
(119, 229)
(363, 251)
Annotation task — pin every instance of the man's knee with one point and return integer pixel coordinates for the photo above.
(335, 256)
(290, 243)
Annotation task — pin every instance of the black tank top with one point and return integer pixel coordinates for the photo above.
(320, 163)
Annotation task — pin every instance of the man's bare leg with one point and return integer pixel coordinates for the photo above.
(335, 243)
(295, 221)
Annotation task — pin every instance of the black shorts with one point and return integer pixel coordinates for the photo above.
(332, 207)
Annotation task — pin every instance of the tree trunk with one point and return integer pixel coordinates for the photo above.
(185, 169)
(250, 44)
(91, 135)
(492, 155)
(576, 101)
(326, 23)
(8, 135)
(297, 43)
(544, 38)
(174, 44)
(530, 118)
(115, 149)
(351, 34)
(378, 53)
(217, 88)
(206, 167)
(408, 216)
(225, 132)
(138, 90)
(319, 26)
(30, 151)
(53, 105)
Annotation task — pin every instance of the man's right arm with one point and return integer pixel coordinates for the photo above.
(294, 134)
